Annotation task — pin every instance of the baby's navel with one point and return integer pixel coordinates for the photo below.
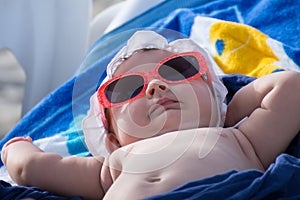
(153, 179)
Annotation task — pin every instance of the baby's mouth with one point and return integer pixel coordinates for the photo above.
(164, 104)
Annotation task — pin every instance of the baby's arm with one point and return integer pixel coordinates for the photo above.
(70, 176)
(272, 105)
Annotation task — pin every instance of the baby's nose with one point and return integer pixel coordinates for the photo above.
(156, 87)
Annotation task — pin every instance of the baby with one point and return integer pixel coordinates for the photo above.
(163, 116)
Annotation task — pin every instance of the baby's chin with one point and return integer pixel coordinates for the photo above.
(164, 124)
(165, 130)
(181, 126)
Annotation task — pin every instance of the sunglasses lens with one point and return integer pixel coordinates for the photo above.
(179, 68)
(124, 88)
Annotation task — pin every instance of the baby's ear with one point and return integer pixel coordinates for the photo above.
(111, 142)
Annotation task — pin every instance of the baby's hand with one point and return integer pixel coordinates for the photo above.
(13, 140)
(17, 139)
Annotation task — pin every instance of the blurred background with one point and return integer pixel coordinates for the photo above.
(12, 80)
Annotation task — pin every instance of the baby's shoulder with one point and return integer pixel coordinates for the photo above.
(237, 137)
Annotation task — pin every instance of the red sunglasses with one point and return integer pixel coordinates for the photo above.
(177, 68)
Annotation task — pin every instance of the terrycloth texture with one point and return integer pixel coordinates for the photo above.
(240, 48)
(55, 123)
(7, 192)
(280, 181)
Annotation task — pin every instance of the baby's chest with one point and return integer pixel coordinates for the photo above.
(202, 147)
(158, 168)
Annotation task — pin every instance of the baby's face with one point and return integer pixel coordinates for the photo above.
(164, 107)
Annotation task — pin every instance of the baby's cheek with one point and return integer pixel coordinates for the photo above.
(185, 92)
(133, 121)
(201, 103)
(135, 113)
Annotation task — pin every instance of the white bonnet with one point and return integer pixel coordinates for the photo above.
(94, 131)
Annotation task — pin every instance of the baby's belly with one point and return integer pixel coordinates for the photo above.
(160, 164)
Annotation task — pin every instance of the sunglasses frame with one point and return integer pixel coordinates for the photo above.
(203, 71)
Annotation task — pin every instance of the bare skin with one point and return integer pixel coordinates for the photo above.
(159, 163)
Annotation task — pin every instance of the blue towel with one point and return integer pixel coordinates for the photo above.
(280, 181)
(7, 192)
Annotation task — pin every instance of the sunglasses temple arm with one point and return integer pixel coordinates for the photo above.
(204, 76)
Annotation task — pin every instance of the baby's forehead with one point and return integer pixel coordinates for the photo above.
(142, 58)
